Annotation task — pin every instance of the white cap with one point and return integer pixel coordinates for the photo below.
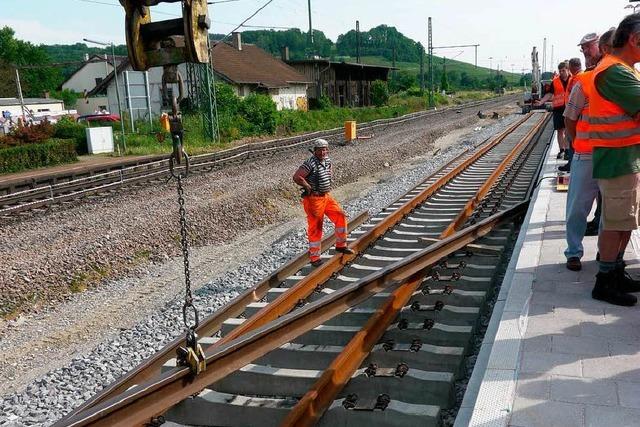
(588, 38)
(320, 143)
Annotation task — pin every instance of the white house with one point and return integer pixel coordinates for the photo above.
(247, 68)
(134, 87)
(250, 69)
(92, 72)
(36, 107)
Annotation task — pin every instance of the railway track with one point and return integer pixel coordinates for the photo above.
(375, 338)
(31, 195)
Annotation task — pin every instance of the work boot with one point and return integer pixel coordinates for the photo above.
(560, 154)
(625, 282)
(317, 263)
(566, 155)
(565, 168)
(574, 264)
(345, 250)
(606, 289)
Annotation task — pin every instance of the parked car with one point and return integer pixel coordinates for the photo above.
(92, 118)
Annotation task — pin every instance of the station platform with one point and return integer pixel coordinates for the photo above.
(552, 355)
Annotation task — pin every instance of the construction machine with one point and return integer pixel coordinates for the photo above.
(533, 95)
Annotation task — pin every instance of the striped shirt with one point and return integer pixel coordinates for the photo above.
(577, 102)
(319, 174)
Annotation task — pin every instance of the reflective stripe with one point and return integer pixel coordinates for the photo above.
(582, 135)
(614, 134)
(341, 229)
(611, 119)
(314, 244)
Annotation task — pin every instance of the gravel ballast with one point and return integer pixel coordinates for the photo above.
(254, 205)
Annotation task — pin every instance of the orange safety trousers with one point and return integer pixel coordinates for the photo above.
(316, 207)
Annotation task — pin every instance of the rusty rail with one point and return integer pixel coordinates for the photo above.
(212, 323)
(139, 404)
(288, 300)
(473, 202)
(319, 398)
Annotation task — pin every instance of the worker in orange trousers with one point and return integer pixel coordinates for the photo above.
(315, 176)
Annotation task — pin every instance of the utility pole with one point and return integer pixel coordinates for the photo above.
(358, 42)
(430, 46)
(421, 68)
(476, 49)
(551, 62)
(310, 26)
(544, 56)
(22, 107)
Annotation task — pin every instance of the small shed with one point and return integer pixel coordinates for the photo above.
(347, 84)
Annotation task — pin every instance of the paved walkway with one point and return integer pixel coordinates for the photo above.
(556, 357)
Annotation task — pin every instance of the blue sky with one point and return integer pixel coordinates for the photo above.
(505, 29)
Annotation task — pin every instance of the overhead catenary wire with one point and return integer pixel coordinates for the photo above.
(245, 21)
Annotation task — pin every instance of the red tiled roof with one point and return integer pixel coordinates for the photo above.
(252, 65)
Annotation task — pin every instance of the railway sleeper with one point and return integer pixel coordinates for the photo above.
(449, 314)
(426, 357)
(410, 385)
(435, 334)
(211, 408)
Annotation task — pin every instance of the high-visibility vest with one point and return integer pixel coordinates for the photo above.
(572, 82)
(558, 93)
(582, 144)
(609, 124)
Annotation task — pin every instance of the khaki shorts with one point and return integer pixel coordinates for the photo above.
(620, 202)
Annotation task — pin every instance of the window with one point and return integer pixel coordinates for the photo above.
(98, 80)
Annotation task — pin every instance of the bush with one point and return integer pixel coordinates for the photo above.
(67, 128)
(227, 102)
(29, 134)
(35, 155)
(261, 112)
(379, 93)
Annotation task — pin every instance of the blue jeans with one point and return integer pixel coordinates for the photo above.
(583, 191)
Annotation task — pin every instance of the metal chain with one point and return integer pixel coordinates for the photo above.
(188, 297)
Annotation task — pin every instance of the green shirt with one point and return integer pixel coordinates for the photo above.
(619, 85)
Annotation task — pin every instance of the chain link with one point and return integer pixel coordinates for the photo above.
(188, 297)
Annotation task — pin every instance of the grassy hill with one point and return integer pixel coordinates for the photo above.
(481, 73)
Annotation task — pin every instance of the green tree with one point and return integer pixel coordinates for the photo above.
(401, 81)
(18, 53)
(69, 97)
(444, 83)
(261, 112)
(379, 93)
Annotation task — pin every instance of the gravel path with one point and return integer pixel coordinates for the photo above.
(93, 337)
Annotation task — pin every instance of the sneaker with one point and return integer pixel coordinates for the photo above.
(606, 289)
(574, 264)
(626, 283)
(565, 168)
(560, 154)
(317, 263)
(346, 251)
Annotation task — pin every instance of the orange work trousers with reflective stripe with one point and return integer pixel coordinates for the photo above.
(316, 207)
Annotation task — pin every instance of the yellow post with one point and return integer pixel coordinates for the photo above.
(350, 130)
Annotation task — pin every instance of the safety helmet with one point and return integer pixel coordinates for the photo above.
(320, 143)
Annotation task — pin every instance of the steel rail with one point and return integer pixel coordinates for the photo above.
(114, 179)
(212, 323)
(288, 300)
(473, 202)
(139, 404)
(319, 398)
(310, 408)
